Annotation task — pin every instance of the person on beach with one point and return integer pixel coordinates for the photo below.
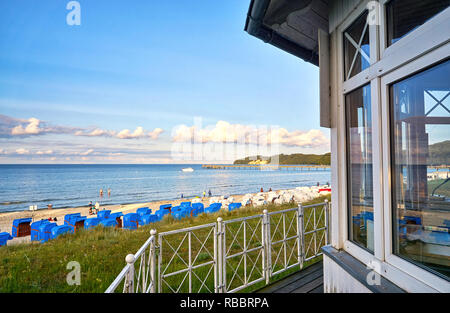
(270, 189)
(204, 194)
(101, 192)
(90, 211)
(262, 190)
(97, 207)
(209, 193)
(109, 192)
(182, 196)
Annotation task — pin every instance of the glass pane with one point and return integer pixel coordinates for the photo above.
(421, 145)
(403, 16)
(356, 47)
(359, 156)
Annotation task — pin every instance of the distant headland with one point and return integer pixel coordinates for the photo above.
(288, 159)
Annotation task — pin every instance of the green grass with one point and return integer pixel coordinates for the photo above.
(101, 253)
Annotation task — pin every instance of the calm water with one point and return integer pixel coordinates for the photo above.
(76, 185)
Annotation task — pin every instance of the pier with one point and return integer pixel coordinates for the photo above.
(266, 167)
(287, 167)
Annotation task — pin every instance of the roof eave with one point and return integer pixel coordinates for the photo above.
(255, 27)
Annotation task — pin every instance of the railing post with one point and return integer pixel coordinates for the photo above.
(153, 261)
(129, 282)
(266, 246)
(327, 225)
(301, 230)
(160, 245)
(219, 256)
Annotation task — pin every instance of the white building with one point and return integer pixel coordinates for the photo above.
(385, 95)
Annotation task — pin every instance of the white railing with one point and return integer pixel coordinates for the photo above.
(191, 261)
(141, 280)
(227, 256)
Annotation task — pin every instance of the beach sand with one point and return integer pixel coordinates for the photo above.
(7, 218)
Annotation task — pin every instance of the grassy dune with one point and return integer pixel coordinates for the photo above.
(101, 253)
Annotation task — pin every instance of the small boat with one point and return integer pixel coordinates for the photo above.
(187, 169)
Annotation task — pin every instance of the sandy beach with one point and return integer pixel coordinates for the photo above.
(299, 194)
(7, 218)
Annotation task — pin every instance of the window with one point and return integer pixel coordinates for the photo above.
(359, 166)
(420, 139)
(356, 47)
(403, 16)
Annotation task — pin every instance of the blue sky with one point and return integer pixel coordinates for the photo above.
(150, 67)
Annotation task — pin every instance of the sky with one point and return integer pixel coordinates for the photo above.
(148, 82)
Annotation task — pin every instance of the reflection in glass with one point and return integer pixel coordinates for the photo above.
(356, 47)
(359, 165)
(403, 16)
(420, 112)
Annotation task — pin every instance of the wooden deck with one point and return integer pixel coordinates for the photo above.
(309, 280)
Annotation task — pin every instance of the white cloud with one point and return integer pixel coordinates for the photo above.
(22, 151)
(88, 152)
(32, 128)
(224, 132)
(44, 152)
(10, 127)
(139, 133)
(95, 133)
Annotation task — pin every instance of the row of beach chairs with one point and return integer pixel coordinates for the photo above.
(44, 230)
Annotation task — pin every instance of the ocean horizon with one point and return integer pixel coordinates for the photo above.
(75, 185)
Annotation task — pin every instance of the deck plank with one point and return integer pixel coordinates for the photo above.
(300, 283)
(309, 279)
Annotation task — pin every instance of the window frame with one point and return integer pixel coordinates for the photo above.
(361, 79)
(428, 61)
(348, 174)
(399, 60)
(417, 34)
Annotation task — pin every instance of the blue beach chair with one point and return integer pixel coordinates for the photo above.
(214, 207)
(143, 211)
(118, 217)
(104, 214)
(234, 206)
(197, 209)
(149, 218)
(180, 214)
(4, 237)
(35, 229)
(60, 230)
(45, 231)
(161, 213)
(67, 217)
(131, 221)
(21, 227)
(75, 221)
(108, 222)
(92, 222)
(165, 208)
(185, 204)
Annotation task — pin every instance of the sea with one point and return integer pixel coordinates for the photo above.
(68, 186)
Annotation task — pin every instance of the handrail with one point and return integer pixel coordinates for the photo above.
(270, 231)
